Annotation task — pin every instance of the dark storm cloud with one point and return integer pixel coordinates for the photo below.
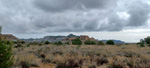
(139, 12)
(41, 16)
(62, 5)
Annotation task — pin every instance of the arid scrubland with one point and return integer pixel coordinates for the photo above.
(84, 56)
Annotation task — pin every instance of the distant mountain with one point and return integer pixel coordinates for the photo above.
(49, 38)
(115, 41)
(72, 35)
(59, 38)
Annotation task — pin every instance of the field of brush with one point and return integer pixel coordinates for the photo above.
(84, 56)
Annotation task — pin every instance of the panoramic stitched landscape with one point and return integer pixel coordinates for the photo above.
(77, 52)
(74, 33)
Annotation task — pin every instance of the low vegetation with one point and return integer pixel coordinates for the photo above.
(110, 42)
(85, 56)
(77, 42)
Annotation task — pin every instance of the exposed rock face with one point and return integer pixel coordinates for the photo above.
(84, 37)
(9, 37)
(63, 39)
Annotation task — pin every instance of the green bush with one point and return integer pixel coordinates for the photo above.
(88, 42)
(67, 43)
(101, 43)
(47, 42)
(147, 40)
(34, 43)
(142, 43)
(28, 45)
(18, 45)
(110, 42)
(8, 42)
(6, 55)
(58, 43)
(93, 43)
(77, 42)
(22, 42)
(14, 42)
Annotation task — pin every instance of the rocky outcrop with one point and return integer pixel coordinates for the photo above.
(9, 37)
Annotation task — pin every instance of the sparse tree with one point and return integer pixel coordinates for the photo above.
(5, 54)
(142, 43)
(58, 43)
(88, 42)
(23, 42)
(147, 40)
(110, 42)
(93, 43)
(100, 43)
(47, 42)
(77, 42)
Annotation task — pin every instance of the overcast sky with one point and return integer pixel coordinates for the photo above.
(127, 20)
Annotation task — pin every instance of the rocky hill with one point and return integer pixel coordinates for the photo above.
(9, 37)
(49, 38)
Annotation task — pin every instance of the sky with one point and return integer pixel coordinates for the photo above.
(127, 20)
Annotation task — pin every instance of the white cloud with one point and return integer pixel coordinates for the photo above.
(123, 15)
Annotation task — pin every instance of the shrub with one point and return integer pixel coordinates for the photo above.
(25, 64)
(67, 43)
(77, 42)
(34, 43)
(147, 40)
(58, 43)
(142, 43)
(117, 64)
(8, 42)
(88, 42)
(101, 61)
(92, 66)
(100, 43)
(5, 54)
(22, 42)
(110, 42)
(93, 43)
(28, 45)
(14, 42)
(47, 42)
(18, 45)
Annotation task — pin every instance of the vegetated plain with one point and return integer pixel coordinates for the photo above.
(80, 56)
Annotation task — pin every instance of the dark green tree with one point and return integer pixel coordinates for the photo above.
(67, 43)
(142, 43)
(147, 40)
(77, 42)
(101, 43)
(6, 55)
(58, 43)
(110, 42)
(47, 42)
(88, 42)
(93, 43)
(23, 42)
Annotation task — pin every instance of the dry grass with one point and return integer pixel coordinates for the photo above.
(87, 56)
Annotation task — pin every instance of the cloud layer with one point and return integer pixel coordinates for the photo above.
(44, 16)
